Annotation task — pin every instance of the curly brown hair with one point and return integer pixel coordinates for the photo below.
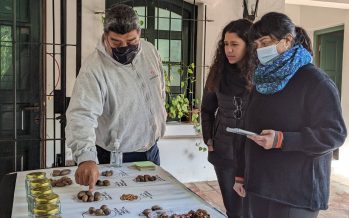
(241, 27)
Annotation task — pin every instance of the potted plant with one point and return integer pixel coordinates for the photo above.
(182, 107)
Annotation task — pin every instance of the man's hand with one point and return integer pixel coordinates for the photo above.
(87, 174)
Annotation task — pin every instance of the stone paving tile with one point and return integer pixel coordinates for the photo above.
(203, 186)
(338, 203)
(213, 183)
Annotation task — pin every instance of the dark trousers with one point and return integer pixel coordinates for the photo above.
(232, 201)
(265, 208)
(151, 155)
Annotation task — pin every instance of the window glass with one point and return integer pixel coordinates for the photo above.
(164, 21)
(173, 55)
(175, 76)
(141, 11)
(6, 73)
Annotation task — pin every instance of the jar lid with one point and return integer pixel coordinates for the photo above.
(51, 198)
(36, 175)
(41, 190)
(46, 209)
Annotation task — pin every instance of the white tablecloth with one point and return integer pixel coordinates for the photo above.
(166, 192)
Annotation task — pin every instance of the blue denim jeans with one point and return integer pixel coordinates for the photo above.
(151, 155)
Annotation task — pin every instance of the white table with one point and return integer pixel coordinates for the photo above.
(166, 192)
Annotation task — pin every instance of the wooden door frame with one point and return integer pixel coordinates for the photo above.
(317, 33)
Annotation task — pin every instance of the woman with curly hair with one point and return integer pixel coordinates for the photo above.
(224, 102)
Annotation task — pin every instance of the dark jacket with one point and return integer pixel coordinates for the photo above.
(218, 111)
(308, 112)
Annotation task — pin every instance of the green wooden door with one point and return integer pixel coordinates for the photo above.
(331, 55)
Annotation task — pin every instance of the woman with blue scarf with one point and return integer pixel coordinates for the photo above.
(295, 109)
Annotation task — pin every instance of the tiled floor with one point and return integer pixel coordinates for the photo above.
(338, 205)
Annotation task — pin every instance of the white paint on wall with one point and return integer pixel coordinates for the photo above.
(71, 50)
(339, 4)
(294, 12)
(92, 25)
(52, 65)
(181, 157)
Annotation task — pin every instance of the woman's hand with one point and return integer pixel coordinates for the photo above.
(210, 145)
(239, 188)
(265, 139)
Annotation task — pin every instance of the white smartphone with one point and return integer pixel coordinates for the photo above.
(240, 131)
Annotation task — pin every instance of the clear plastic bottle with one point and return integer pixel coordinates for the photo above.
(116, 158)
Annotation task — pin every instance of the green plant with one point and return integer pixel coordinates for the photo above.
(179, 106)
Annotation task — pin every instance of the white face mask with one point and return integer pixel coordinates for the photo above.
(267, 53)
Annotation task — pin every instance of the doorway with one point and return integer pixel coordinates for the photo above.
(329, 56)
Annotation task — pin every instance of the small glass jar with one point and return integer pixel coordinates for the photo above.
(51, 198)
(36, 192)
(36, 183)
(46, 210)
(32, 176)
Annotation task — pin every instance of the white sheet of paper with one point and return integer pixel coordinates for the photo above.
(166, 192)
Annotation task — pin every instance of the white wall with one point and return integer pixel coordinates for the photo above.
(181, 157)
(51, 83)
(91, 32)
(317, 18)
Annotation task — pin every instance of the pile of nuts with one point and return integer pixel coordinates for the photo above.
(107, 173)
(128, 197)
(147, 212)
(87, 196)
(103, 211)
(64, 181)
(200, 213)
(61, 172)
(103, 183)
(145, 178)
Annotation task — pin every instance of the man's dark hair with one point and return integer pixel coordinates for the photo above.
(121, 19)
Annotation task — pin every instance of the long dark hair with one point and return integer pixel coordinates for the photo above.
(241, 27)
(278, 25)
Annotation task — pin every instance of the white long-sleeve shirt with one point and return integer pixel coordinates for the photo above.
(116, 105)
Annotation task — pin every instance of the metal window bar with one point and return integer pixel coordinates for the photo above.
(14, 64)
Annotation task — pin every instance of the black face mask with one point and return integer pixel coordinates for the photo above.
(125, 55)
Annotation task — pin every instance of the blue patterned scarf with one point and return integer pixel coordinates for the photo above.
(274, 76)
